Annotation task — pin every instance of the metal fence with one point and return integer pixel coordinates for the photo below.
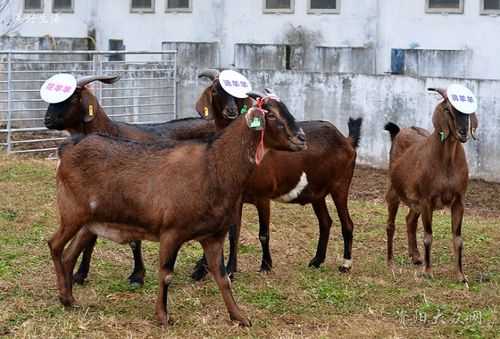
(146, 92)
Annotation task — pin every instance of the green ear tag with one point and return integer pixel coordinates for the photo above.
(442, 136)
(255, 123)
(244, 109)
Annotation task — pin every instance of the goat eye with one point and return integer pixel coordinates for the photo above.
(271, 116)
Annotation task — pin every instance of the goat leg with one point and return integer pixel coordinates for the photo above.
(392, 209)
(169, 247)
(411, 230)
(427, 222)
(264, 210)
(213, 248)
(340, 199)
(325, 223)
(82, 241)
(457, 212)
(56, 245)
(83, 271)
(234, 240)
(137, 275)
(200, 269)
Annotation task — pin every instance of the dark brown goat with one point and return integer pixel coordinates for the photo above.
(428, 172)
(306, 177)
(126, 191)
(75, 116)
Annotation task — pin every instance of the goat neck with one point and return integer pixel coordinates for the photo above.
(231, 156)
(444, 152)
(100, 123)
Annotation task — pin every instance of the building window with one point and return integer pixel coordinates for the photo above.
(116, 45)
(278, 6)
(33, 6)
(490, 6)
(323, 6)
(142, 6)
(179, 6)
(65, 6)
(444, 6)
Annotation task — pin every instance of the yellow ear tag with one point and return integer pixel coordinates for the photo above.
(91, 110)
(205, 111)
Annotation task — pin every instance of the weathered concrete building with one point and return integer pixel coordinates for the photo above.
(328, 59)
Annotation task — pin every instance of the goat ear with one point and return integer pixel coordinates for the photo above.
(441, 121)
(256, 119)
(473, 125)
(204, 105)
(89, 105)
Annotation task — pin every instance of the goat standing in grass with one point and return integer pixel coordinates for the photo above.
(81, 113)
(429, 171)
(125, 191)
(307, 177)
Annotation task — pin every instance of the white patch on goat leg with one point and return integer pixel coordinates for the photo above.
(347, 263)
(294, 193)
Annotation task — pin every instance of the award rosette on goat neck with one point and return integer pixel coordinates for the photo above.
(58, 88)
(462, 99)
(235, 84)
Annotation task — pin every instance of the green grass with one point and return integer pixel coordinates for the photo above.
(292, 301)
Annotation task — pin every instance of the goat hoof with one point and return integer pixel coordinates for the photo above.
(315, 262)
(344, 269)
(136, 280)
(164, 319)
(245, 322)
(199, 273)
(417, 261)
(265, 268)
(67, 301)
(79, 278)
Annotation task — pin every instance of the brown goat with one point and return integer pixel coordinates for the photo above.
(297, 178)
(428, 171)
(75, 116)
(126, 191)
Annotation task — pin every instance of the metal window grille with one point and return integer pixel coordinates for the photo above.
(145, 93)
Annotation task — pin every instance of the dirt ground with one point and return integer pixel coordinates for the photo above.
(371, 184)
(293, 301)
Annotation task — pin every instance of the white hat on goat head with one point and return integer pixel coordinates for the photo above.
(462, 98)
(58, 88)
(234, 83)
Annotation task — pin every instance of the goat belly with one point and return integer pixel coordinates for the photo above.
(120, 233)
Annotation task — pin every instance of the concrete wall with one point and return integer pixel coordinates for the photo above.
(378, 24)
(378, 99)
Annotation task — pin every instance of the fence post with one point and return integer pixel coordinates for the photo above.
(9, 101)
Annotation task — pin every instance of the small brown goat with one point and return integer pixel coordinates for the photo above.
(428, 172)
(75, 116)
(126, 191)
(297, 178)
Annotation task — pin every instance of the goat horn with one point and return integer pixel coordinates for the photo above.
(440, 91)
(212, 74)
(255, 95)
(107, 79)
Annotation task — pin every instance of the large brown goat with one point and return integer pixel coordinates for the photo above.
(75, 116)
(126, 191)
(306, 177)
(428, 171)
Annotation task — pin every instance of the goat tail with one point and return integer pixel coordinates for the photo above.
(392, 128)
(354, 126)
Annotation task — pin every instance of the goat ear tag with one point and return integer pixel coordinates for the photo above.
(235, 84)
(462, 99)
(255, 119)
(58, 88)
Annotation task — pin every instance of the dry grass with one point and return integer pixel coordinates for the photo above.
(293, 301)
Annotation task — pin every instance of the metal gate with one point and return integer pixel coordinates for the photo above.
(145, 93)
